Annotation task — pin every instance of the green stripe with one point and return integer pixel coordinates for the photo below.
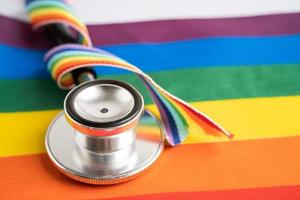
(189, 84)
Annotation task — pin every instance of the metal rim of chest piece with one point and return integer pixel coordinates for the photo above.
(104, 136)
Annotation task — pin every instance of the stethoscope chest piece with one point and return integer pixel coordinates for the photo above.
(104, 136)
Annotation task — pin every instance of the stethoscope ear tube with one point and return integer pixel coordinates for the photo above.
(96, 152)
(100, 137)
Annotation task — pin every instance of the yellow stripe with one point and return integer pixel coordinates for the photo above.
(257, 118)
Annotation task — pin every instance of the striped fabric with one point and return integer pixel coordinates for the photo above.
(241, 66)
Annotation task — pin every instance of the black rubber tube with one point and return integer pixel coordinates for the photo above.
(61, 34)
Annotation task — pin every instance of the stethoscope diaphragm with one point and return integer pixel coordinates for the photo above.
(104, 136)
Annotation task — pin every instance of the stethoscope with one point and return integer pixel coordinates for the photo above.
(104, 135)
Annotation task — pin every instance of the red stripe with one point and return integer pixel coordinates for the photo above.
(272, 193)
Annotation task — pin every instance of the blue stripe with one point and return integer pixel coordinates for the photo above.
(21, 63)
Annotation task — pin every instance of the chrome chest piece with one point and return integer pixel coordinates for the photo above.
(104, 136)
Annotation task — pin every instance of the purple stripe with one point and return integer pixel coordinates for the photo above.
(19, 34)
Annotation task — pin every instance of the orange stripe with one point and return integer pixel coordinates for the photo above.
(197, 167)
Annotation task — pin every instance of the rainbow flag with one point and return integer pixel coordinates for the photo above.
(237, 61)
